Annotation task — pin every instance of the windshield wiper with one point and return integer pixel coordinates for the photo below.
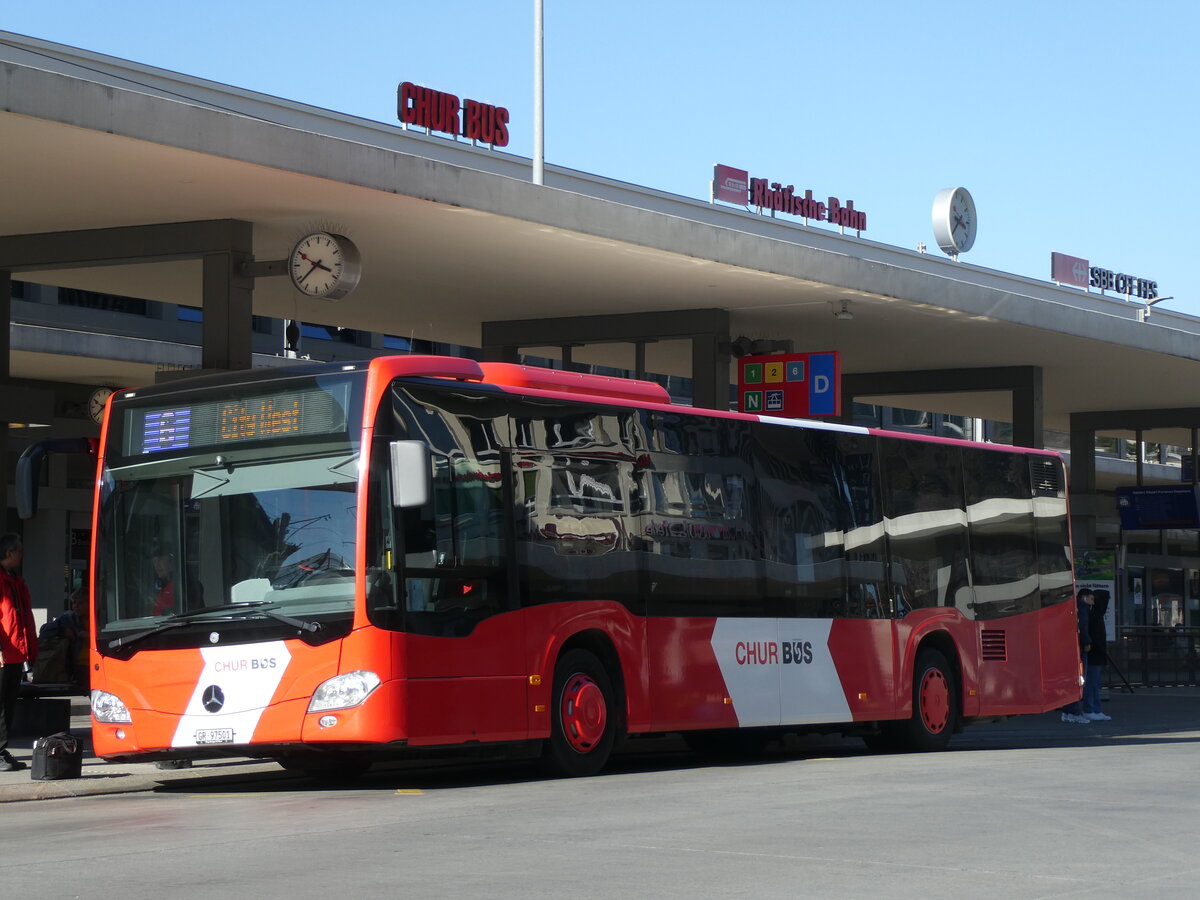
(251, 608)
(128, 639)
(179, 619)
(226, 610)
(301, 624)
(224, 607)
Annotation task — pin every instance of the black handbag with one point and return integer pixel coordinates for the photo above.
(57, 756)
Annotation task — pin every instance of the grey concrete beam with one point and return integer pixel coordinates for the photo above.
(1023, 382)
(223, 245)
(122, 246)
(19, 403)
(1137, 419)
(1084, 426)
(707, 329)
(625, 327)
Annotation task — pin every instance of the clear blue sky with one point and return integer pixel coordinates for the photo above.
(1073, 124)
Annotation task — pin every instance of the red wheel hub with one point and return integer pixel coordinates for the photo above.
(583, 713)
(935, 701)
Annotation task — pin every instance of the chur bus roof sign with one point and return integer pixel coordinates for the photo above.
(432, 110)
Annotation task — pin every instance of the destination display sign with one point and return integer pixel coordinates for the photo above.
(219, 423)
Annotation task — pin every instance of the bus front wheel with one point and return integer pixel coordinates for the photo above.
(583, 716)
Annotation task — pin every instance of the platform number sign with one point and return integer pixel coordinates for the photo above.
(794, 385)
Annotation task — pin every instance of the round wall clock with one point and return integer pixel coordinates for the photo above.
(97, 402)
(954, 221)
(324, 265)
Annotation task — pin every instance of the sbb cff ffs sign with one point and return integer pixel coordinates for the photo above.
(794, 385)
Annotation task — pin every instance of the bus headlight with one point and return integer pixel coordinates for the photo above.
(108, 707)
(344, 691)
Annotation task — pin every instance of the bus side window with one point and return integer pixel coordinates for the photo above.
(867, 586)
(803, 511)
(926, 523)
(1003, 543)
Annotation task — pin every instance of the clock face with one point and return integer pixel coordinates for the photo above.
(97, 402)
(954, 221)
(962, 220)
(324, 265)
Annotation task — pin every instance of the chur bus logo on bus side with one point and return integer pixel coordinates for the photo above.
(773, 653)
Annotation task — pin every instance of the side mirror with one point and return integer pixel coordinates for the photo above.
(410, 473)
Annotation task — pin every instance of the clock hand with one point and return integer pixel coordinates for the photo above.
(317, 264)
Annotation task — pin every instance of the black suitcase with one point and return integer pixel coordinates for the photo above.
(57, 756)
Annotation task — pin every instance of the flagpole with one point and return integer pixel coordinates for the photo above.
(539, 96)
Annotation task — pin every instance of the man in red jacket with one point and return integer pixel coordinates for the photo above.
(18, 640)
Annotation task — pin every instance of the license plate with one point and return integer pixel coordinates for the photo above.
(214, 736)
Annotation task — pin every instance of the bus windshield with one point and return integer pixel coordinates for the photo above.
(268, 524)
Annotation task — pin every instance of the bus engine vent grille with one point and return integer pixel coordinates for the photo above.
(995, 645)
(1046, 476)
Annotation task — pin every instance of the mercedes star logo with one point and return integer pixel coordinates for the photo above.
(213, 699)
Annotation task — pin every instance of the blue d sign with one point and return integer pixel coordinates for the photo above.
(822, 398)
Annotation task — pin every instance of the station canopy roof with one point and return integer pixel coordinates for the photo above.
(453, 235)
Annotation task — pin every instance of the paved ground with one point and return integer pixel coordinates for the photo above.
(100, 777)
(1144, 713)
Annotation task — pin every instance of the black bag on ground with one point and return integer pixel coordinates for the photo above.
(57, 756)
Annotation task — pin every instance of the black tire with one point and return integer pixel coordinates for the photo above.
(882, 741)
(935, 705)
(583, 720)
(327, 768)
(173, 764)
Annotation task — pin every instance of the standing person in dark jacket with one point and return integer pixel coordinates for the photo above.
(18, 640)
(1073, 712)
(1095, 659)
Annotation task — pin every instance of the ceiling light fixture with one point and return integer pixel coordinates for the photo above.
(842, 312)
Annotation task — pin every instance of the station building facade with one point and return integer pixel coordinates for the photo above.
(463, 255)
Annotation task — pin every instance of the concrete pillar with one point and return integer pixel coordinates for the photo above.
(5, 349)
(710, 370)
(1083, 481)
(1027, 412)
(228, 304)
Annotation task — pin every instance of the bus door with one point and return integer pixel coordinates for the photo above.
(577, 559)
(1005, 573)
(711, 631)
(865, 638)
(464, 635)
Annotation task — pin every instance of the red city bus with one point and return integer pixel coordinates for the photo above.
(335, 564)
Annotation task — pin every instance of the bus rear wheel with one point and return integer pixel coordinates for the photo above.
(935, 705)
(583, 716)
